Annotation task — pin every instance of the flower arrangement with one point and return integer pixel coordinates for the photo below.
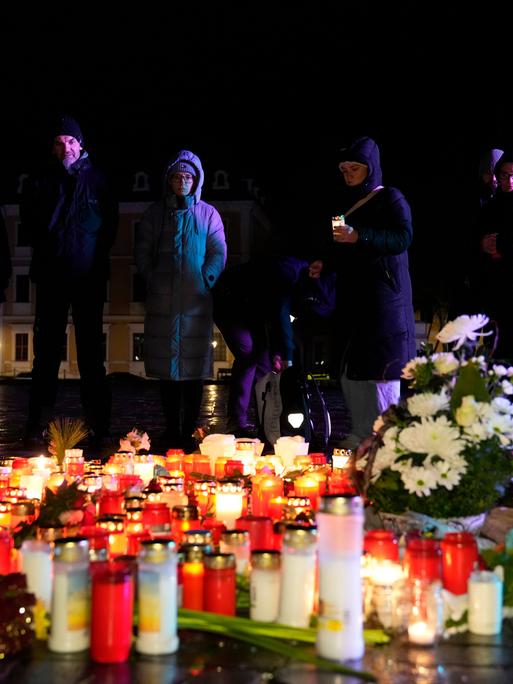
(68, 506)
(445, 450)
(134, 441)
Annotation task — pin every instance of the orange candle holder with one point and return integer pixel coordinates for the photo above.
(265, 487)
(307, 486)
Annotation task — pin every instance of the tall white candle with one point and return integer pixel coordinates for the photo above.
(37, 566)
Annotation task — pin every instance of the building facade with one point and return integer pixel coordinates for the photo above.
(246, 226)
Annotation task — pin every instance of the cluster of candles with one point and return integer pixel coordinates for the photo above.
(188, 533)
(403, 584)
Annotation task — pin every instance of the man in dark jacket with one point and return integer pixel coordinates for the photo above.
(72, 220)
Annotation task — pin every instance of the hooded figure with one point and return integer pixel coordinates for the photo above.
(492, 272)
(180, 251)
(374, 314)
(487, 177)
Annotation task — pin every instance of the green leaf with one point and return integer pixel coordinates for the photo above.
(469, 382)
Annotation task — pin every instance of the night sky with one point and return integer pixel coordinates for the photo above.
(271, 91)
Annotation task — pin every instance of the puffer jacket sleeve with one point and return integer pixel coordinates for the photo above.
(146, 242)
(215, 258)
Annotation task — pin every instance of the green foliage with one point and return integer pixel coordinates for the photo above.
(494, 558)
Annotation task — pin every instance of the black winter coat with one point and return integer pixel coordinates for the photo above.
(71, 218)
(374, 298)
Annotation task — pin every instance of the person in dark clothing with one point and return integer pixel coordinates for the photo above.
(374, 317)
(487, 182)
(461, 271)
(252, 313)
(5, 259)
(71, 218)
(254, 304)
(495, 248)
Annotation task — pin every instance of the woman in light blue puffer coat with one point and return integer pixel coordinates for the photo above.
(180, 251)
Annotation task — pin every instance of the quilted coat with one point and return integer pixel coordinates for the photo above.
(180, 251)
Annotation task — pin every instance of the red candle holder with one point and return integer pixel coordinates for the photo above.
(5, 552)
(219, 583)
(423, 559)
(111, 503)
(459, 554)
(381, 545)
(260, 530)
(112, 604)
(155, 517)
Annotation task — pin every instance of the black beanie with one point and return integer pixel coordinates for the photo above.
(66, 125)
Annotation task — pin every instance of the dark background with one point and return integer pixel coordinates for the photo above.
(272, 91)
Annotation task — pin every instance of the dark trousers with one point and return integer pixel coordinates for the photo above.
(181, 403)
(53, 302)
(247, 341)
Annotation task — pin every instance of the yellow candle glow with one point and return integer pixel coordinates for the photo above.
(229, 496)
(307, 486)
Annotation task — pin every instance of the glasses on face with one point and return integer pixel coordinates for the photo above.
(182, 178)
(505, 176)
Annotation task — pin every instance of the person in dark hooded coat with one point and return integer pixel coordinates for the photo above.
(180, 251)
(374, 317)
(495, 246)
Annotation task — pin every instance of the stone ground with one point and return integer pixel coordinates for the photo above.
(136, 403)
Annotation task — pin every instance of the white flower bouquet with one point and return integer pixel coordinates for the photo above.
(445, 451)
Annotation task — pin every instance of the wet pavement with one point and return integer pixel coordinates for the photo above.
(136, 403)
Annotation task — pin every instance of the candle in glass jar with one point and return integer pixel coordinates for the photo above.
(193, 574)
(459, 553)
(264, 489)
(229, 501)
(112, 600)
(276, 506)
(5, 552)
(144, 467)
(421, 633)
(381, 545)
(219, 596)
(5, 513)
(307, 486)
(37, 565)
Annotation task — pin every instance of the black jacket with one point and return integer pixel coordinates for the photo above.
(374, 297)
(71, 218)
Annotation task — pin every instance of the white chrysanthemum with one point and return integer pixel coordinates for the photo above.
(500, 370)
(447, 477)
(445, 363)
(428, 404)
(434, 437)
(477, 432)
(501, 425)
(466, 413)
(384, 459)
(418, 480)
(457, 463)
(408, 372)
(463, 328)
(502, 405)
(507, 387)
